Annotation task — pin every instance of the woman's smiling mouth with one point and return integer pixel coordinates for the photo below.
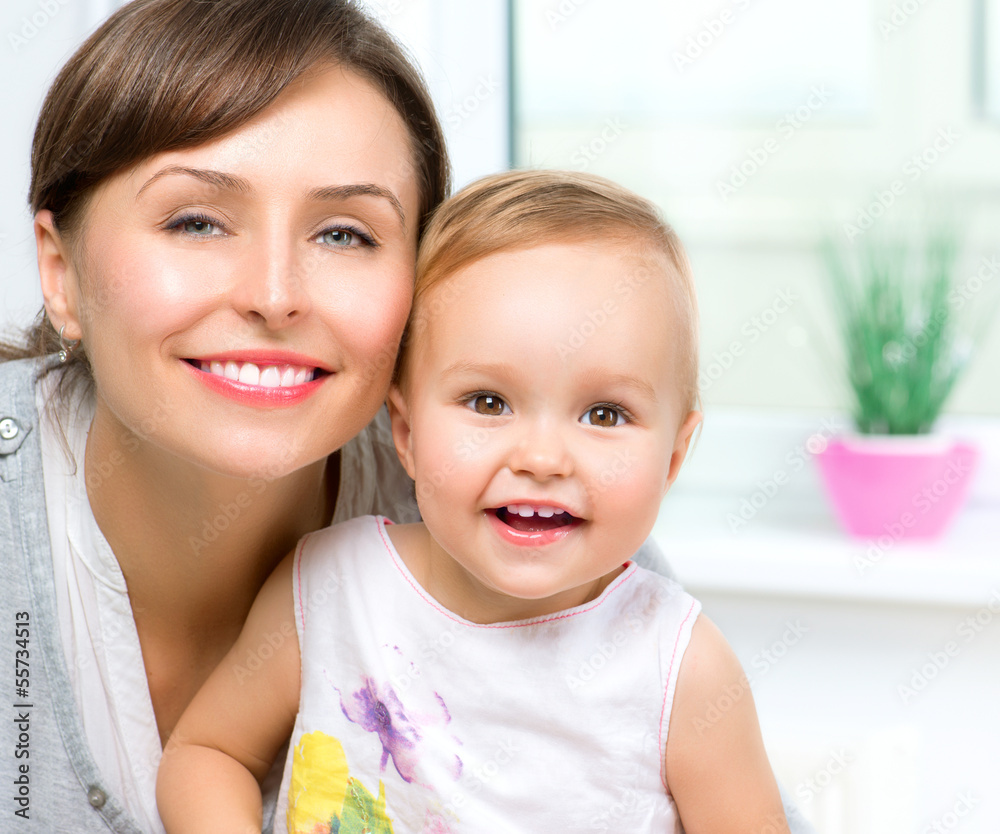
(267, 376)
(267, 382)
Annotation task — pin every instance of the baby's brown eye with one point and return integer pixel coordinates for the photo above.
(604, 416)
(489, 404)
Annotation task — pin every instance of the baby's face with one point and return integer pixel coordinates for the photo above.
(544, 415)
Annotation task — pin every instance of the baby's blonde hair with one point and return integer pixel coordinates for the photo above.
(519, 210)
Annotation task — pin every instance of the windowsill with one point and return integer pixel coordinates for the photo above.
(805, 555)
(793, 546)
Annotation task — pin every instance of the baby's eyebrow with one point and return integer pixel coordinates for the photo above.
(616, 379)
(491, 368)
(479, 367)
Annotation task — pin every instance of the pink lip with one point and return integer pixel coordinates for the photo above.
(523, 539)
(258, 396)
(559, 508)
(262, 358)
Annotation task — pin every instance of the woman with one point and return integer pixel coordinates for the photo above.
(228, 198)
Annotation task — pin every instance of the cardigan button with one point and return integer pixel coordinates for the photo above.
(97, 797)
(8, 428)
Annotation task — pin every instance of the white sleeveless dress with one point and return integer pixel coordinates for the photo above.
(415, 721)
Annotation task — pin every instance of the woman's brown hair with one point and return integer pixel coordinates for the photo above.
(160, 75)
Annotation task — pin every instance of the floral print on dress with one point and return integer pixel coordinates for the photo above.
(404, 737)
(323, 798)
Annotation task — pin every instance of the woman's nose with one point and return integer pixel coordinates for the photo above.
(273, 287)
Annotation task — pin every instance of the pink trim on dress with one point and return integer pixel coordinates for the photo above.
(672, 684)
(630, 569)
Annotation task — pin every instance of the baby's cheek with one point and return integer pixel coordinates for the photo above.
(630, 483)
(619, 470)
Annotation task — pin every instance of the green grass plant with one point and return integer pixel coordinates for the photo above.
(903, 343)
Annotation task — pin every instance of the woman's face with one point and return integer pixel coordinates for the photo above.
(241, 301)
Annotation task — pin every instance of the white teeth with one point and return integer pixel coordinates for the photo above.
(270, 377)
(527, 511)
(250, 374)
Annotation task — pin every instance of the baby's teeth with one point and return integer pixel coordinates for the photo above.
(250, 374)
(527, 511)
(232, 371)
(287, 376)
(270, 377)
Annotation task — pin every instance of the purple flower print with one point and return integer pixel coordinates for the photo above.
(406, 738)
(382, 713)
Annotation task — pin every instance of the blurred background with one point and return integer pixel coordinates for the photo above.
(761, 128)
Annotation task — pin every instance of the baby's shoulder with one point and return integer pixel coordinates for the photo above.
(709, 671)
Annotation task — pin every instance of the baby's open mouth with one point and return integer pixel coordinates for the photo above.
(529, 518)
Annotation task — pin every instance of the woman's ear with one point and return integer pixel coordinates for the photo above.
(399, 416)
(681, 444)
(60, 288)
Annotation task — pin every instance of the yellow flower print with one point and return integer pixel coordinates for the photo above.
(323, 798)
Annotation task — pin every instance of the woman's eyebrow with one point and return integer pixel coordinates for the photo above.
(216, 179)
(229, 182)
(362, 189)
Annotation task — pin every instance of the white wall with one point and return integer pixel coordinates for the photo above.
(462, 49)
(36, 36)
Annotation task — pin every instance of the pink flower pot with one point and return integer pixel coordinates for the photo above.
(907, 487)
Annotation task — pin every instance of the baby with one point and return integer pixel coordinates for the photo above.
(502, 666)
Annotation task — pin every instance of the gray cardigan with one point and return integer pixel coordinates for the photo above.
(56, 785)
(50, 780)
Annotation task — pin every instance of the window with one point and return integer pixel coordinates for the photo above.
(760, 127)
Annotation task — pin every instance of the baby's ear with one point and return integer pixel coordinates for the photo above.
(681, 443)
(399, 416)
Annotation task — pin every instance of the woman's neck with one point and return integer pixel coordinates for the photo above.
(195, 546)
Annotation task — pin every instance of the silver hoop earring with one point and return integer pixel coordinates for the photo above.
(66, 346)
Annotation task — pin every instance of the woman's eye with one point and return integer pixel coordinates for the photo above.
(605, 416)
(345, 238)
(489, 404)
(337, 237)
(197, 226)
